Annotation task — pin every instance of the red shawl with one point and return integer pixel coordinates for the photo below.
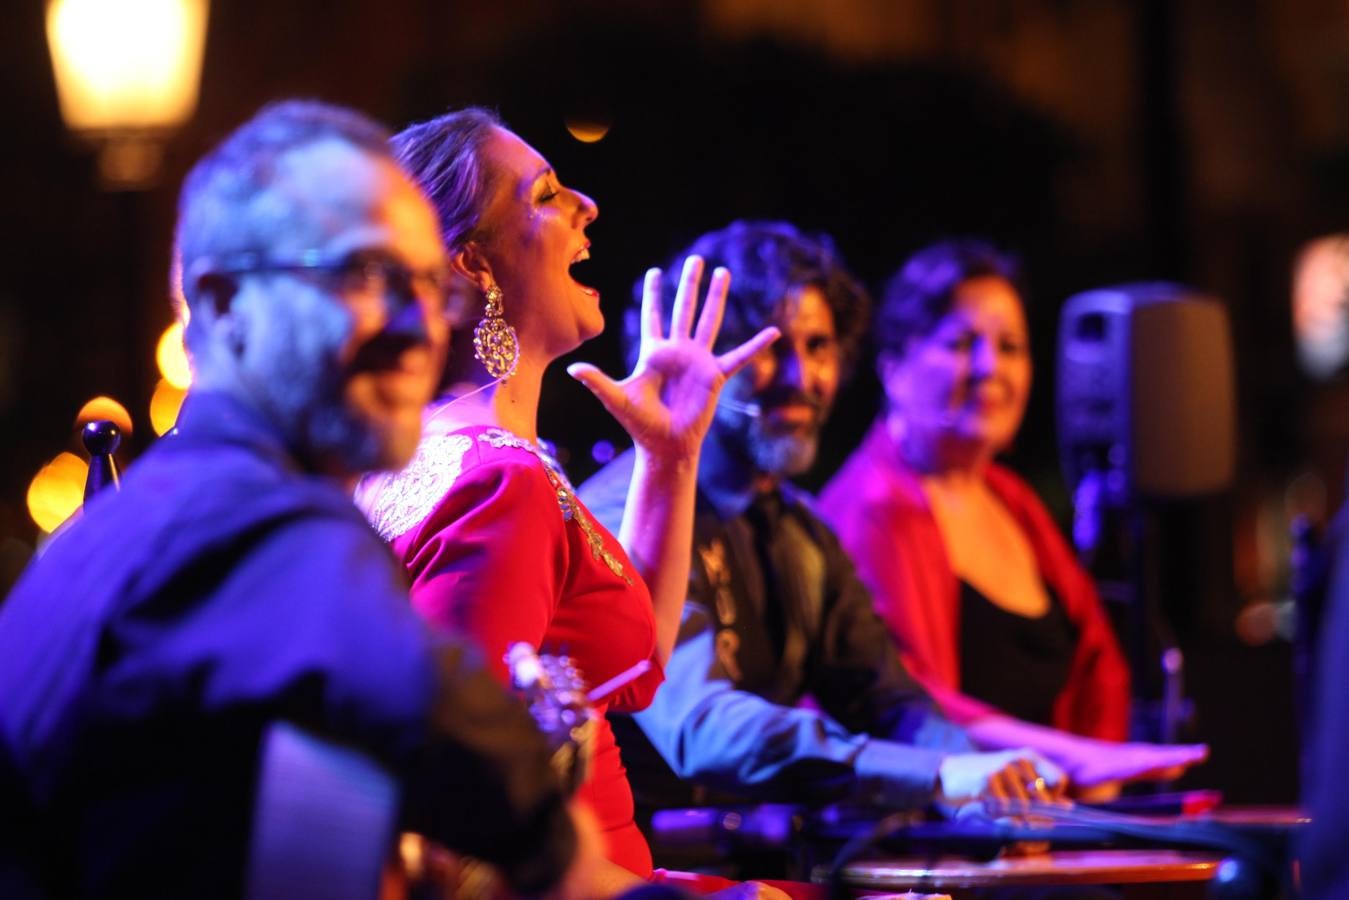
(881, 513)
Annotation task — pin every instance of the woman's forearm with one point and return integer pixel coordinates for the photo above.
(1097, 765)
(657, 533)
(1002, 732)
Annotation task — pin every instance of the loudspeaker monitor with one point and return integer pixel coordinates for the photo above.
(1146, 391)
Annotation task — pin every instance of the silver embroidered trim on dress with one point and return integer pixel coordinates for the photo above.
(396, 501)
(566, 495)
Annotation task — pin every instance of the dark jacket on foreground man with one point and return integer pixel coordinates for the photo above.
(143, 655)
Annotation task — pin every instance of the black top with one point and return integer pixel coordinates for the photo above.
(1017, 663)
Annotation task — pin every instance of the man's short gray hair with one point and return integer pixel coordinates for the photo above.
(227, 205)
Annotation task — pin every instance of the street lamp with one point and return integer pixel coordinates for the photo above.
(127, 74)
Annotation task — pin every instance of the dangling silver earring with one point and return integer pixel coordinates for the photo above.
(494, 341)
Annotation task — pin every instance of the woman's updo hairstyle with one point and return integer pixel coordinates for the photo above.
(445, 157)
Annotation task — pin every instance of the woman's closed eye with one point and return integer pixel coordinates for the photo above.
(549, 190)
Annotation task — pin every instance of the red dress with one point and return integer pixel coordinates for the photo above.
(877, 506)
(499, 548)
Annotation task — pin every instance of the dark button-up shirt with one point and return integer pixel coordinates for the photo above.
(776, 616)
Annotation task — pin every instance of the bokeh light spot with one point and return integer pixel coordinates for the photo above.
(102, 407)
(57, 491)
(172, 358)
(164, 405)
(129, 64)
(587, 131)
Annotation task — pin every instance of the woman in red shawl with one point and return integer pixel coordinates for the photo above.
(991, 611)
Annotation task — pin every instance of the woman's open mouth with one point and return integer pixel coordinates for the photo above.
(578, 262)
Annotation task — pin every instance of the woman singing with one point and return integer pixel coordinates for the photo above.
(494, 539)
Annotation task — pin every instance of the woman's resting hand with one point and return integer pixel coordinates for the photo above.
(1091, 763)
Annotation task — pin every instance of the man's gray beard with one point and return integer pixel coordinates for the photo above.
(336, 435)
(783, 454)
(311, 409)
(772, 453)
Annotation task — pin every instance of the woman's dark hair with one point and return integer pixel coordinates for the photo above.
(922, 292)
(767, 261)
(444, 157)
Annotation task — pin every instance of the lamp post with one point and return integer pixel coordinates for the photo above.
(127, 76)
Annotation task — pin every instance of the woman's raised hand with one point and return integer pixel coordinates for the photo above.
(666, 404)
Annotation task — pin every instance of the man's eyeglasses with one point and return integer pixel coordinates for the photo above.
(359, 275)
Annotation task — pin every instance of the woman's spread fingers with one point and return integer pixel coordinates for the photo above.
(651, 313)
(608, 391)
(714, 307)
(734, 360)
(686, 298)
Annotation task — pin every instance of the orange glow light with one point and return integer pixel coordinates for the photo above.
(127, 64)
(172, 358)
(57, 491)
(104, 408)
(164, 406)
(587, 131)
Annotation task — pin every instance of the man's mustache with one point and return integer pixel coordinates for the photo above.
(385, 351)
(776, 397)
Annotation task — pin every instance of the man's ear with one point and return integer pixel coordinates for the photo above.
(214, 291)
(210, 298)
(205, 288)
(471, 262)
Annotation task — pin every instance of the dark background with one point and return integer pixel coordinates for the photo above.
(1103, 140)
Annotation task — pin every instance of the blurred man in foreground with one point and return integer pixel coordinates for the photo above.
(231, 583)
